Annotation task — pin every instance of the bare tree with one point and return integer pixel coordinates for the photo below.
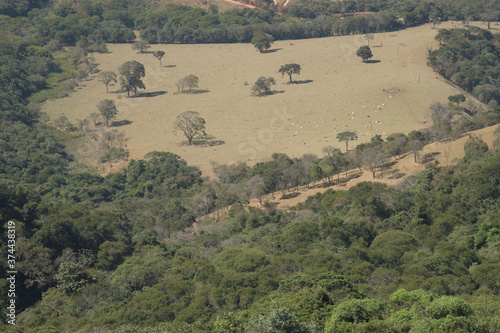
(190, 81)
(256, 187)
(368, 38)
(441, 116)
(372, 157)
(141, 45)
(108, 78)
(191, 124)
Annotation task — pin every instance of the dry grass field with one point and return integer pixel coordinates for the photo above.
(337, 92)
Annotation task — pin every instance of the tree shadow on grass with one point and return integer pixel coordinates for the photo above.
(151, 94)
(196, 91)
(207, 143)
(290, 195)
(429, 157)
(121, 123)
(273, 92)
(302, 81)
(271, 50)
(372, 61)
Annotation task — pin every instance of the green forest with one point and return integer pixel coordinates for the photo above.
(137, 251)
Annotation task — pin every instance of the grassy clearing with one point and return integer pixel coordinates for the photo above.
(337, 93)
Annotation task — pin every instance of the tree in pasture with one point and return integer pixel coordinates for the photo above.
(159, 55)
(346, 137)
(108, 110)
(108, 78)
(263, 86)
(131, 73)
(364, 53)
(368, 38)
(261, 41)
(290, 69)
(190, 123)
(141, 45)
(190, 81)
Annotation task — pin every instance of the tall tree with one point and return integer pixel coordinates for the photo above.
(368, 38)
(346, 137)
(108, 78)
(159, 55)
(108, 110)
(364, 53)
(290, 69)
(190, 123)
(131, 73)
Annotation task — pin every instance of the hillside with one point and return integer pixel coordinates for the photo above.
(445, 153)
(338, 93)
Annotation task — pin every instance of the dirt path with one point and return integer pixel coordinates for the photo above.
(446, 153)
(241, 4)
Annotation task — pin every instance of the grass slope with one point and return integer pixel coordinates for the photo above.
(338, 93)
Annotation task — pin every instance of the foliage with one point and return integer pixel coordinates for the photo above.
(159, 55)
(131, 73)
(261, 41)
(364, 52)
(263, 86)
(141, 46)
(289, 69)
(108, 110)
(468, 58)
(346, 137)
(191, 124)
(108, 78)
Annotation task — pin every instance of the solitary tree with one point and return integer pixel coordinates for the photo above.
(368, 38)
(190, 81)
(441, 116)
(108, 110)
(263, 86)
(159, 55)
(141, 45)
(190, 123)
(131, 73)
(261, 41)
(346, 137)
(108, 78)
(290, 69)
(364, 53)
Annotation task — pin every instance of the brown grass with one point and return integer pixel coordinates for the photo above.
(338, 93)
